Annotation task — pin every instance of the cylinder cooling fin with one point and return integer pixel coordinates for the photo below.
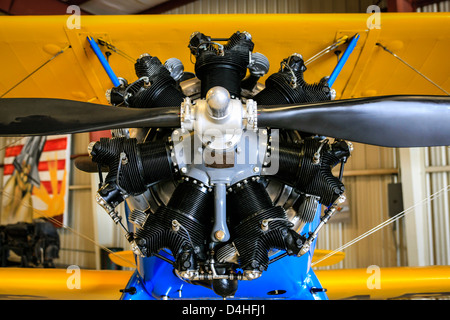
(181, 226)
(223, 65)
(287, 86)
(258, 226)
(155, 86)
(132, 167)
(219, 220)
(307, 166)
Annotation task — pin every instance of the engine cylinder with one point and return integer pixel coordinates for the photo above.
(133, 166)
(250, 208)
(154, 88)
(188, 209)
(287, 86)
(224, 67)
(298, 169)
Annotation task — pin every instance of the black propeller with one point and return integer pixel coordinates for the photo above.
(42, 116)
(391, 121)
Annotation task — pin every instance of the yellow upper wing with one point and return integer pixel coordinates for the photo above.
(422, 39)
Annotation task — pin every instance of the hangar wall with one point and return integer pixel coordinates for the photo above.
(275, 6)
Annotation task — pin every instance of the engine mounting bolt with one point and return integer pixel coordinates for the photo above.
(175, 225)
(123, 158)
(219, 235)
(265, 225)
(256, 169)
(184, 170)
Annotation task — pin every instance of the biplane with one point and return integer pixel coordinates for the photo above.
(201, 221)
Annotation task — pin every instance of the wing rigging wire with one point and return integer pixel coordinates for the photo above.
(411, 67)
(428, 199)
(35, 70)
(113, 48)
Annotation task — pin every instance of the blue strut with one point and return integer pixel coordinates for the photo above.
(104, 62)
(343, 60)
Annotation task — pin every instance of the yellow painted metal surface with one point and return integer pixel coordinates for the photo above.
(61, 284)
(123, 258)
(386, 283)
(26, 42)
(334, 259)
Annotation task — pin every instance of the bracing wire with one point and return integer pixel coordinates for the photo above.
(384, 224)
(412, 68)
(110, 46)
(35, 70)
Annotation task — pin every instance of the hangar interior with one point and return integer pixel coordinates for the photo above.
(380, 182)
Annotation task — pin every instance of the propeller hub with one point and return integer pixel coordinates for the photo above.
(218, 99)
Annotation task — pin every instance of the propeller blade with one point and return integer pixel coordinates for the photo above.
(42, 116)
(389, 121)
(85, 163)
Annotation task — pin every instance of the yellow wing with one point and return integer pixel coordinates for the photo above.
(386, 283)
(392, 283)
(123, 258)
(422, 39)
(334, 259)
(62, 284)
